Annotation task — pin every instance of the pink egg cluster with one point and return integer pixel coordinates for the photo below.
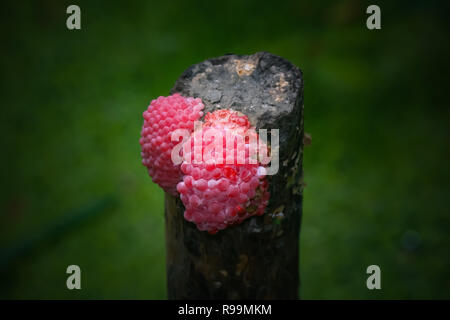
(163, 116)
(225, 187)
(221, 182)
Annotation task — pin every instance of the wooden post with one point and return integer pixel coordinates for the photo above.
(257, 259)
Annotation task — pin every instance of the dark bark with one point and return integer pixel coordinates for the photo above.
(257, 259)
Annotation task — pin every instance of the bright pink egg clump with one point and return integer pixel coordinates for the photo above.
(162, 117)
(224, 183)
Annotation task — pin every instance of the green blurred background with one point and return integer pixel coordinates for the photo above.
(74, 191)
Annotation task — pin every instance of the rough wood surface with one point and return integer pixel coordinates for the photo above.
(257, 259)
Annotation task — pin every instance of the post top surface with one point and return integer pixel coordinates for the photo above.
(263, 86)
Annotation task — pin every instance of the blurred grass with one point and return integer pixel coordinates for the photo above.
(375, 103)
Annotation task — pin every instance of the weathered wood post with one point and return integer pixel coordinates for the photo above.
(257, 259)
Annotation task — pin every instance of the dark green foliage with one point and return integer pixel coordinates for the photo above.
(376, 105)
